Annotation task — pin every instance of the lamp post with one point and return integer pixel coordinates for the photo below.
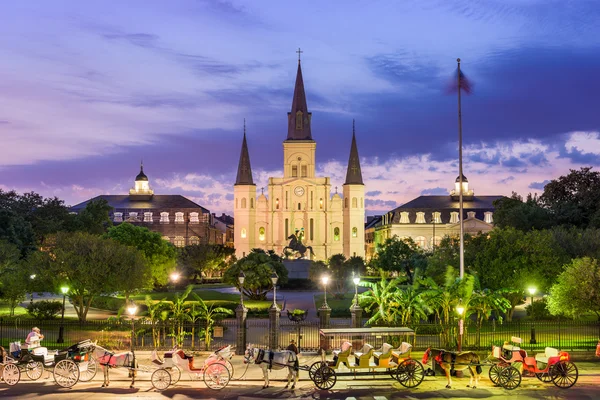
(241, 278)
(241, 313)
(32, 277)
(274, 316)
(356, 281)
(532, 291)
(460, 310)
(61, 330)
(355, 310)
(325, 280)
(274, 279)
(131, 311)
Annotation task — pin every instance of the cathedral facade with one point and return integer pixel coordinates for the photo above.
(300, 205)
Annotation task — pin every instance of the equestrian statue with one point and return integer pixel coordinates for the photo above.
(296, 245)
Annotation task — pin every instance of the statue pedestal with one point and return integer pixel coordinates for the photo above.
(297, 269)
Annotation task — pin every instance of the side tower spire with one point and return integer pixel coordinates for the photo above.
(353, 173)
(244, 173)
(299, 117)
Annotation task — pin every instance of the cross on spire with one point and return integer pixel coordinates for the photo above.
(336, 190)
(299, 53)
(262, 190)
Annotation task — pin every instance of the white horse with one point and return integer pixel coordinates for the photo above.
(268, 359)
(108, 359)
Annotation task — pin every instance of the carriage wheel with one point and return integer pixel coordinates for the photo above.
(494, 373)
(88, 369)
(410, 373)
(229, 366)
(11, 374)
(544, 377)
(66, 373)
(509, 378)
(161, 379)
(175, 373)
(564, 374)
(216, 376)
(314, 367)
(35, 370)
(325, 378)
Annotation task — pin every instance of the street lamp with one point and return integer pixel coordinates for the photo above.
(356, 281)
(325, 280)
(32, 277)
(532, 291)
(131, 311)
(61, 330)
(241, 278)
(460, 310)
(274, 279)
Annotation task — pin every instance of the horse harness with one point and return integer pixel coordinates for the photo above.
(440, 358)
(271, 354)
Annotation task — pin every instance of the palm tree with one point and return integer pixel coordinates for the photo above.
(179, 313)
(210, 314)
(484, 302)
(381, 298)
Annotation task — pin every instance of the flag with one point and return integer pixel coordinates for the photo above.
(465, 84)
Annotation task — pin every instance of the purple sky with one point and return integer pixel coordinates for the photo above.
(87, 89)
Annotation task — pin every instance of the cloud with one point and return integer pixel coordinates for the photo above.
(539, 185)
(434, 191)
(373, 193)
(379, 204)
(506, 180)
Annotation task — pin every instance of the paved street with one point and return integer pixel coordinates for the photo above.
(346, 388)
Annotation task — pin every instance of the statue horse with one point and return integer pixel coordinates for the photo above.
(269, 359)
(109, 359)
(453, 361)
(297, 246)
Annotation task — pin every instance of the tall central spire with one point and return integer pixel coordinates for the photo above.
(353, 173)
(299, 117)
(244, 173)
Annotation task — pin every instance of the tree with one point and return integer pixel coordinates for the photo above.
(88, 264)
(14, 276)
(380, 299)
(16, 230)
(522, 215)
(258, 267)
(95, 217)
(400, 256)
(356, 264)
(338, 275)
(205, 260)
(574, 199)
(210, 315)
(577, 290)
(160, 256)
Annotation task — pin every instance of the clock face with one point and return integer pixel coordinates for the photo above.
(299, 190)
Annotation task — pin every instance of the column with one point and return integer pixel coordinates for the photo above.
(241, 314)
(274, 313)
(324, 322)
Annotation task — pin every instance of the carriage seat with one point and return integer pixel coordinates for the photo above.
(156, 358)
(511, 346)
(346, 348)
(363, 357)
(384, 355)
(543, 357)
(404, 348)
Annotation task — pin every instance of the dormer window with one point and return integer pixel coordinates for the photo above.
(404, 218)
(118, 217)
(194, 218)
(437, 217)
(471, 214)
(299, 121)
(420, 218)
(488, 217)
(148, 217)
(179, 218)
(132, 216)
(164, 217)
(453, 217)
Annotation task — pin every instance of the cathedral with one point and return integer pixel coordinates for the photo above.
(299, 206)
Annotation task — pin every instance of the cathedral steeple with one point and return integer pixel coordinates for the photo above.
(299, 117)
(244, 174)
(353, 174)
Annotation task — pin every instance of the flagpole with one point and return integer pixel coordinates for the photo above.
(460, 179)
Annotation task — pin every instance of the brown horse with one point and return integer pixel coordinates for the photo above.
(452, 361)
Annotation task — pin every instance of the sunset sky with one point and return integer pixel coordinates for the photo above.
(89, 88)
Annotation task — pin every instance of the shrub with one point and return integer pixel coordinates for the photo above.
(44, 309)
(540, 310)
(299, 284)
(107, 303)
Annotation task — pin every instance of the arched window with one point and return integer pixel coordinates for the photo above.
(354, 202)
(243, 233)
(336, 234)
(437, 217)
(236, 203)
(261, 234)
(299, 206)
(179, 218)
(488, 217)
(321, 203)
(354, 232)
(168, 239)
(404, 218)
(346, 202)
(420, 241)
(294, 171)
(251, 202)
(453, 217)
(304, 171)
(362, 203)
(179, 241)
(312, 229)
(287, 228)
(194, 218)
(194, 240)
(435, 241)
(243, 202)
(164, 217)
(420, 218)
(118, 217)
(277, 203)
(299, 121)
(148, 217)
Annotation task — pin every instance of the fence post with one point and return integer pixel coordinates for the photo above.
(324, 321)
(241, 313)
(274, 313)
(356, 313)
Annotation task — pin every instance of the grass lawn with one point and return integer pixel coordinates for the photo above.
(339, 307)
(5, 310)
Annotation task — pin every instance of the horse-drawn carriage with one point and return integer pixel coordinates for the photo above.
(513, 363)
(386, 360)
(216, 371)
(68, 366)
